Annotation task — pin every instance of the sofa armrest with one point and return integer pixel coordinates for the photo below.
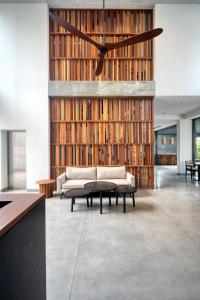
(130, 178)
(60, 180)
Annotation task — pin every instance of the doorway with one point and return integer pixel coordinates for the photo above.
(165, 150)
(17, 160)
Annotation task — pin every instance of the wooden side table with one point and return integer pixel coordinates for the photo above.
(46, 187)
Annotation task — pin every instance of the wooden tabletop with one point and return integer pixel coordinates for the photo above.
(20, 205)
(46, 181)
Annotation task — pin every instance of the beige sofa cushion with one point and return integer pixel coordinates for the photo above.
(75, 184)
(111, 173)
(81, 173)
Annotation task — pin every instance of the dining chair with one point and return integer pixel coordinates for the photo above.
(191, 168)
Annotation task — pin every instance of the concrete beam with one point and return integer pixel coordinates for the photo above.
(167, 117)
(193, 114)
(101, 88)
(157, 128)
(97, 4)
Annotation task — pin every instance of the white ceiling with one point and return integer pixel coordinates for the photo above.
(172, 108)
(177, 105)
(108, 3)
(159, 124)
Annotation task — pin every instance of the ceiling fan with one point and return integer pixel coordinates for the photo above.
(105, 47)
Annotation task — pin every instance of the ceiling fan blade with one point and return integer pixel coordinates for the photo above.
(100, 63)
(138, 38)
(67, 26)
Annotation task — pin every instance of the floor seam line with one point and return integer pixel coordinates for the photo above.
(182, 228)
(76, 257)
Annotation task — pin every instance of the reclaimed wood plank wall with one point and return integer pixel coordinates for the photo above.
(102, 131)
(72, 58)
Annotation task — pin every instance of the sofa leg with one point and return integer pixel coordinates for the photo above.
(61, 195)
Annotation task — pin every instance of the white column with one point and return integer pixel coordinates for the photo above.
(3, 160)
(184, 143)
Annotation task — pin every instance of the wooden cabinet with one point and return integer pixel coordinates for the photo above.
(166, 159)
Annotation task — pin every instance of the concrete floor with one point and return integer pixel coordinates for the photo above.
(151, 252)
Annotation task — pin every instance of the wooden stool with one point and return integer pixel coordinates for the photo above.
(46, 187)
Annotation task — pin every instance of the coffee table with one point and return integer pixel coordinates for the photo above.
(77, 193)
(125, 189)
(100, 186)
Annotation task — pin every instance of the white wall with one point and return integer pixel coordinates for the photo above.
(24, 70)
(184, 143)
(177, 50)
(24, 81)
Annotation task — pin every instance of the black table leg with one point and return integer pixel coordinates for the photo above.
(100, 202)
(116, 198)
(88, 202)
(133, 196)
(109, 200)
(72, 203)
(91, 201)
(124, 202)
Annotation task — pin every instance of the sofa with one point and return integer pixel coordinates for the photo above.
(75, 177)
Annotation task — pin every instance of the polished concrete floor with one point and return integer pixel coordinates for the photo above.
(151, 252)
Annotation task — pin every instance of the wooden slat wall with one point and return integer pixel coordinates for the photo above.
(72, 58)
(102, 131)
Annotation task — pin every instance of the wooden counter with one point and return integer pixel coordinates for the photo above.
(13, 212)
(22, 247)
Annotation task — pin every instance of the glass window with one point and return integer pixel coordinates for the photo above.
(197, 148)
(196, 138)
(197, 126)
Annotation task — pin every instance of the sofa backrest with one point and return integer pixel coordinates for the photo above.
(111, 173)
(81, 173)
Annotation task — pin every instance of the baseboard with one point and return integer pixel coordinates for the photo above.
(27, 190)
(32, 190)
(4, 190)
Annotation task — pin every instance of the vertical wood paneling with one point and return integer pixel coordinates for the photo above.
(72, 58)
(103, 131)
